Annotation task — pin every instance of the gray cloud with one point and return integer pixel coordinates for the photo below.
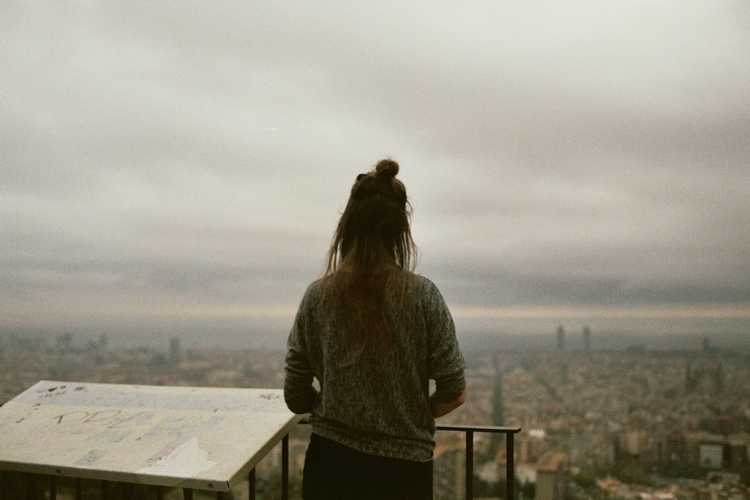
(592, 154)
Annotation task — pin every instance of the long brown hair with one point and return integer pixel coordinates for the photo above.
(372, 239)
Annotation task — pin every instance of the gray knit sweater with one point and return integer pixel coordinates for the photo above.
(382, 411)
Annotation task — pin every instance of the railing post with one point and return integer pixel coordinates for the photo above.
(251, 485)
(469, 431)
(510, 478)
(29, 486)
(52, 488)
(469, 465)
(285, 468)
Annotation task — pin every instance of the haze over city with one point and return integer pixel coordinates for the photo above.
(180, 166)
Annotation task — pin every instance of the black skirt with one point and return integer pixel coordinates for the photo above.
(336, 472)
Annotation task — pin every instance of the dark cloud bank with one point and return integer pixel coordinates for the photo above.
(179, 169)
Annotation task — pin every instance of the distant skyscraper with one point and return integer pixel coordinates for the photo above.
(497, 396)
(64, 340)
(718, 376)
(497, 406)
(174, 350)
(690, 378)
(586, 338)
(560, 338)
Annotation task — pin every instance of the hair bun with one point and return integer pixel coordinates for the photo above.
(386, 169)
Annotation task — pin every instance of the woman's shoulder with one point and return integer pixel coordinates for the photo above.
(313, 291)
(315, 285)
(418, 279)
(421, 285)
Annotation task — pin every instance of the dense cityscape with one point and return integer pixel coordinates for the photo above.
(632, 423)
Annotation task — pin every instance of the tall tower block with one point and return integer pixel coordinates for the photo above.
(174, 351)
(497, 393)
(497, 406)
(586, 338)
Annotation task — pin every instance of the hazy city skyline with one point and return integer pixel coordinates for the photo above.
(181, 165)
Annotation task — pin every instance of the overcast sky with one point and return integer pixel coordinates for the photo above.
(581, 162)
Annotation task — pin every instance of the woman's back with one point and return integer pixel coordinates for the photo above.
(379, 405)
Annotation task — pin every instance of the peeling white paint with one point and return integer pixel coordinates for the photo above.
(187, 460)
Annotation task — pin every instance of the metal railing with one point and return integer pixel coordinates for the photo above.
(510, 466)
(127, 490)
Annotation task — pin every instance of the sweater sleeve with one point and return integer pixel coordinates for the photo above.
(446, 363)
(299, 392)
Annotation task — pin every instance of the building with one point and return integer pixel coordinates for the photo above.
(560, 338)
(174, 351)
(497, 406)
(711, 455)
(586, 338)
(602, 454)
(551, 477)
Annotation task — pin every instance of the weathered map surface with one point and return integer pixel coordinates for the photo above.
(203, 438)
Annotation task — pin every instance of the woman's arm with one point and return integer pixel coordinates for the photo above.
(440, 408)
(299, 392)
